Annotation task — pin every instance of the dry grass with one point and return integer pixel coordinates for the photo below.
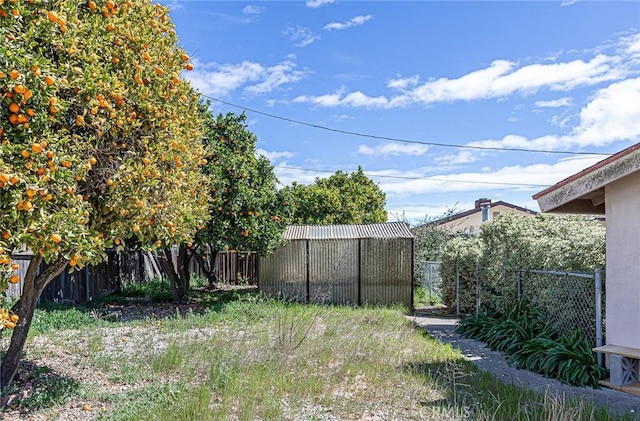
(264, 360)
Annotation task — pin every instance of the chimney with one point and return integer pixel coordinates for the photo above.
(483, 201)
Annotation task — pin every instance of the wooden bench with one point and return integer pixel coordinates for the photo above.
(624, 363)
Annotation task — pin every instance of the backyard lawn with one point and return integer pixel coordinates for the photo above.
(238, 356)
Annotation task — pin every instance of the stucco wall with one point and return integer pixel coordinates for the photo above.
(471, 223)
(623, 261)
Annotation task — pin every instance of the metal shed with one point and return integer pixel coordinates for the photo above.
(342, 264)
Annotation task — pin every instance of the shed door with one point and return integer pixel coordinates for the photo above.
(333, 271)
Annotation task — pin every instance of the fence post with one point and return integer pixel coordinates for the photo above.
(519, 284)
(425, 275)
(457, 290)
(478, 290)
(598, 282)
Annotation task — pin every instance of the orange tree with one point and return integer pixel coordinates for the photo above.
(100, 140)
(247, 212)
(342, 198)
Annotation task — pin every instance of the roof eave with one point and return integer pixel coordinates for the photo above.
(584, 192)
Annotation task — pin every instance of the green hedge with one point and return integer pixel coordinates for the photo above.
(511, 242)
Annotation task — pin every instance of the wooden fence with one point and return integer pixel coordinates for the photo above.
(131, 267)
(229, 268)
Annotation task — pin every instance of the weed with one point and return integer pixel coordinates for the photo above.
(293, 325)
(57, 317)
(423, 297)
(252, 358)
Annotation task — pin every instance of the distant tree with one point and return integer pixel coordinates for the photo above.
(246, 210)
(342, 198)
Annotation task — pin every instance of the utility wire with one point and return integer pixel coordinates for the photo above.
(395, 139)
(422, 178)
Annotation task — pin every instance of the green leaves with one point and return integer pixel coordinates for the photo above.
(531, 344)
(511, 242)
(247, 212)
(340, 199)
(94, 117)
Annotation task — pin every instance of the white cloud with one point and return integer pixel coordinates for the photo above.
(416, 214)
(555, 103)
(275, 155)
(174, 5)
(353, 99)
(537, 174)
(317, 3)
(464, 156)
(562, 120)
(356, 21)
(221, 79)
(300, 36)
(501, 79)
(513, 119)
(612, 115)
(253, 10)
(631, 46)
(403, 83)
(275, 76)
(568, 2)
(289, 175)
(394, 148)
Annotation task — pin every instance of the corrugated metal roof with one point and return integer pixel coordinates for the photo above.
(329, 232)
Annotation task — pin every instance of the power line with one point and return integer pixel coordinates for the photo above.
(423, 178)
(395, 139)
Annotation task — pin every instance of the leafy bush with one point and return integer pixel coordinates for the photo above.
(422, 297)
(460, 254)
(548, 242)
(476, 326)
(531, 343)
(511, 242)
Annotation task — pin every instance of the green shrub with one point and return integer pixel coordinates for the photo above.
(476, 326)
(422, 297)
(531, 343)
(546, 242)
(511, 242)
(460, 254)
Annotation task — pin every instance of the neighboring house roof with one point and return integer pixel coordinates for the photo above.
(355, 231)
(478, 209)
(583, 192)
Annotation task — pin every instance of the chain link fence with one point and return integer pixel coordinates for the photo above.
(570, 301)
(428, 277)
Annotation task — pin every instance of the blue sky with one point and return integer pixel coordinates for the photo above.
(556, 76)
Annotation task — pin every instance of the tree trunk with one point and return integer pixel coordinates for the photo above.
(33, 286)
(207, 266)
(178, 278)
(183, 270)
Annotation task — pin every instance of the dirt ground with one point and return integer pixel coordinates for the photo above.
(441, 326)
(437, 323)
